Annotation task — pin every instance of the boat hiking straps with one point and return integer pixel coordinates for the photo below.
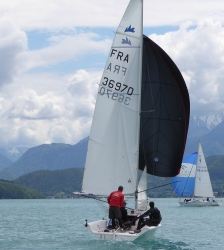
(158, 186)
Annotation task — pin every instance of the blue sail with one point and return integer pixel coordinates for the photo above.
(186, 177)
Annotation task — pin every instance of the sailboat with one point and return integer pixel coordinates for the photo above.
(140, 122)
(195, 184)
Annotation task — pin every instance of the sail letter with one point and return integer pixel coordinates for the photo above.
(124, 70)
(112, 52)
(120, 54)
(109, 67)
(117, 68)
(126, 58)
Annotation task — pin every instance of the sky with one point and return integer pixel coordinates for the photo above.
(53, 52)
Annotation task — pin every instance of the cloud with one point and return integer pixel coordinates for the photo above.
(60, 111)
(198, 52)
(176, 12)
(12, 42)
(83, 86)
(40, 105)
(63, 48)
(56, 15)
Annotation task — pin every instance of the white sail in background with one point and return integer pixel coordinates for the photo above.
(203, 187)
(112, 156)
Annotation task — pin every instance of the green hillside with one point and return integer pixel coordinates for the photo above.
(9, 190)
(61, 183)
(57, 183)
(216, 170)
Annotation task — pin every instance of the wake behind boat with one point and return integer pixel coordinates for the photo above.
(140, 122)
(195, 184)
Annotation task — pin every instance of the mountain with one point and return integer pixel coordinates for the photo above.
(13, 153)
(212, 142)
(9, 190)
(61, 183)
(208, 129)
(4, 162)
(48, 157)
(216, 171)
(57, 183)
(200, 125)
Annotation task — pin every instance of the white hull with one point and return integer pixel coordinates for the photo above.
(199, 203)
(97, 229)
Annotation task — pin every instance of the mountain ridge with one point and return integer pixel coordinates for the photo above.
(57, 156)
(53, 156)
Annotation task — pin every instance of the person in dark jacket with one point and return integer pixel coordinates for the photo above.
(154, 217)
(115, 200)
(124, 212)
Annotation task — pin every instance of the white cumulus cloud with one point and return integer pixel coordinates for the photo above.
(39, 104)
(198, 53)
(13, 41)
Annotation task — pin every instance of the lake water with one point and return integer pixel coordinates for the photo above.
(59, 224)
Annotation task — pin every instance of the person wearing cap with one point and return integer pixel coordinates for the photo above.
(115, 200)
(154, 217)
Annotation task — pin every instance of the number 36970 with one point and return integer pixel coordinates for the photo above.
(114, 95)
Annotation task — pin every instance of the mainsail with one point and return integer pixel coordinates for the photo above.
(203, 187)
(112, 156)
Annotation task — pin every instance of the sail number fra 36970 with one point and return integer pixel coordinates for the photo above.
(118, 86)
(111, 86)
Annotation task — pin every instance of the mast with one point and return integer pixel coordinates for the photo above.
(139, 115)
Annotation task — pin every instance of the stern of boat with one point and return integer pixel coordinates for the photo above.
(100, 232)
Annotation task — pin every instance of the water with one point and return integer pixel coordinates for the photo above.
(58, 224)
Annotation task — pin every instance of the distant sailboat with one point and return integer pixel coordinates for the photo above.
(195, 184)
(140, 122)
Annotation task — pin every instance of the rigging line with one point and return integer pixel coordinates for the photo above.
(174, 191)
(102, 206)
(159, 186)
(97, 199)
(92, 197)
